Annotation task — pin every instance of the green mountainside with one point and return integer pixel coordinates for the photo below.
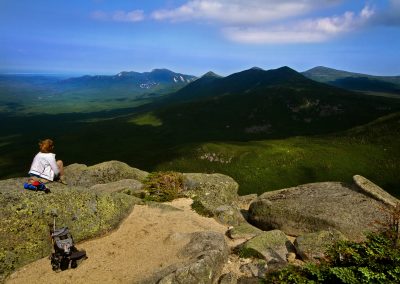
(267, 129)
(355, 81)
(372, 150)
(258, 104)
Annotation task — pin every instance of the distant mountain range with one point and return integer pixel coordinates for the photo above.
(128, 88)
(355, 81)
(259, 104)
(58, 94)
(160, 80)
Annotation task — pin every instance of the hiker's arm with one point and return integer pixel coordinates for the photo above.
(54, 166)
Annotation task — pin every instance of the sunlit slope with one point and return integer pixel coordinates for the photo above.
(372, 150)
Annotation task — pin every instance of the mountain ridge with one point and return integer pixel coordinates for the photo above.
(146, 80)
(247, 80)
(355, 81)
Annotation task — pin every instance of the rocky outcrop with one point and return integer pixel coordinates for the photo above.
(206, 253)
(373, 190)
(312, 246)
(273, 246)
(214, 195)
(98, 197)
(82, 175)
(25, 216)
(315, 207)
(129, 186)
(243, 231)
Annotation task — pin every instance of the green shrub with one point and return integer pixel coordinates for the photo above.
(376, 260)
(163, 186)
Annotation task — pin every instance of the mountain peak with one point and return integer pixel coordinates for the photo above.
(211, 74)
(256, 68)
(161, 70)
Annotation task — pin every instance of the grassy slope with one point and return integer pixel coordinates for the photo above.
(372, 150)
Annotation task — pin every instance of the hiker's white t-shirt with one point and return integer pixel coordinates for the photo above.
(45, 166)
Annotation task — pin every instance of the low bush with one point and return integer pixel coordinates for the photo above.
(163, 186)
(376, 260)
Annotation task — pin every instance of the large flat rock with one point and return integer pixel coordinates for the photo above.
(315, 207)
(111, 171)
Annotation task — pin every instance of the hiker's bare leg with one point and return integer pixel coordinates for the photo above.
(60, 165)
(61, 168)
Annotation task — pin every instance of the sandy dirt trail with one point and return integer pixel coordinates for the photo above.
(141, 245)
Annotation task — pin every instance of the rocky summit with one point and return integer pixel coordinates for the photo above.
(315, 207)
(241, 239)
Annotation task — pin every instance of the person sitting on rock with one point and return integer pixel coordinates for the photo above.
(44, 164)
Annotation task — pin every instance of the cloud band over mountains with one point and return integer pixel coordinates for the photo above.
(267, 21)
(304, 31)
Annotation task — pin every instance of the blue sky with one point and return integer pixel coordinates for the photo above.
(195, 36)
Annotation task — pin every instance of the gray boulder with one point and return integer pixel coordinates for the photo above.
(315, 207)
(229, 215)
(82, 175)
(129, 186)
(373, 190)
(312, 246)
(254, 269)
(214, 195)
(243, 231)
(273, 246)
(207, 253)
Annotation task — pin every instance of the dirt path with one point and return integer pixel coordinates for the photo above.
(146, 241)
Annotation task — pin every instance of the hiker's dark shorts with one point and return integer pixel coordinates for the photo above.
(56, 177)
(33, 175)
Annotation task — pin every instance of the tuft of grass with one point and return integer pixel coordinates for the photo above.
(163, 186)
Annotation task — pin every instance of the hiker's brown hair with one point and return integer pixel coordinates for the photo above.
(46, 146)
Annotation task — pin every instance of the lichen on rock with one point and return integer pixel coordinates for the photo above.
(111, 171)
(315, 207)
(214, 195)
(25, 215)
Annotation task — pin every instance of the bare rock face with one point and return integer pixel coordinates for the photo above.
(82, 175)
(315, 207)
(214, 195)
(273, 246)
(206, 252)
(243, 231)
(312, 246)
(129, 186)
(373, 190)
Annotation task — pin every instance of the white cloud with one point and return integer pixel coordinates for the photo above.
(306, 31)
(119, 16)
(133, 16)
(240, 11)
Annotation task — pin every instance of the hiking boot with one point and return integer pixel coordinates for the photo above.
(63, 180)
